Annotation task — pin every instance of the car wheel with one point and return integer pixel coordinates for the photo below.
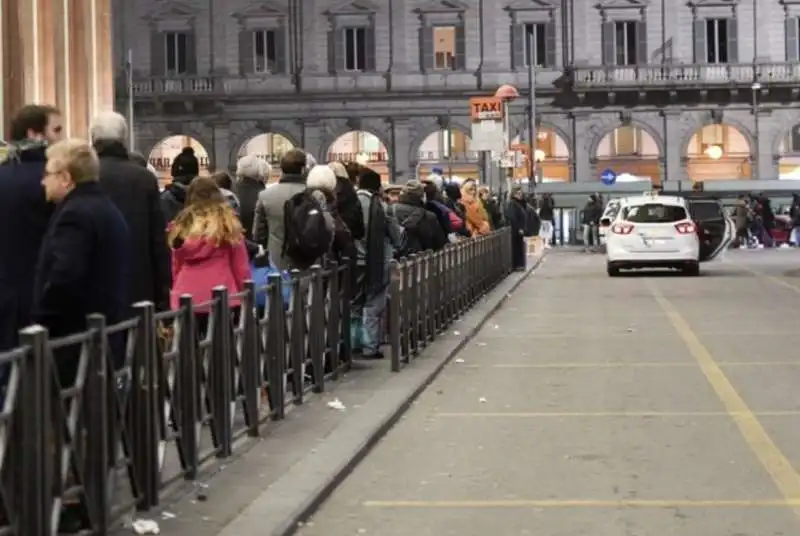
(613, 271)
(691, 269)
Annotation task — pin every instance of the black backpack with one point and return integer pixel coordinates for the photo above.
(417, 239)
(307, 235)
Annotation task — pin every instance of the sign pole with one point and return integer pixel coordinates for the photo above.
(129, 81)
(531, 114)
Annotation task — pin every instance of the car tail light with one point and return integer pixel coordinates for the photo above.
(622, 228)
(685, 228)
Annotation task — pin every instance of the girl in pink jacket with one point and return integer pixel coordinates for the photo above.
(208, 248)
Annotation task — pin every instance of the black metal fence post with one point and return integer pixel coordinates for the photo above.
(316, 329)
(249, 359)
(276, 347)
(33, 419)
(220, 375)
(333, 321)
(345, 304)
(395, 275)
(100, 385)
(188, 397)
(297, 337)
(143, 406)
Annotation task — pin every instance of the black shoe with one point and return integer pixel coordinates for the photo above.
(376, 355)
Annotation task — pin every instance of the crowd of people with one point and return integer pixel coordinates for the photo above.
(94, 233)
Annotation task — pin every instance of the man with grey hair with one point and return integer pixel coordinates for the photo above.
(252, 174)
(134, 190)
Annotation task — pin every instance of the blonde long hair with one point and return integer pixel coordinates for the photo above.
(206, 215)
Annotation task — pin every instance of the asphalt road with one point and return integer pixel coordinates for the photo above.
(638, 406)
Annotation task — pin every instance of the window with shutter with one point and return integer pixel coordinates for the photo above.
(355, 49)
(427, 55)
(177, 49)
(444, 48)
(720, 41)
(626, 44)
(536, 44)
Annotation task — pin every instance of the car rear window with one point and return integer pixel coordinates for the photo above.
(705, 210)
(654, 213)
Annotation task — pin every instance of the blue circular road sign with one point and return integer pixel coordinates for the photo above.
(608, 177)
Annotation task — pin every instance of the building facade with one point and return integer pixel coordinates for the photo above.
(653, 88)
(57, 52)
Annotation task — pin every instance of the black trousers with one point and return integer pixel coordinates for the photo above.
(518, 253)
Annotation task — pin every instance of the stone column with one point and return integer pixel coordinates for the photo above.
(221, 151)
(673, 139)
(57, 52)
(580, 161)
(403, 139)
(313, 139)
(767, 167)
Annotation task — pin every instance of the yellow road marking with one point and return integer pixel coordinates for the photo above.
(587, 503)
(783, 474)
(623, 364)
(542, 414)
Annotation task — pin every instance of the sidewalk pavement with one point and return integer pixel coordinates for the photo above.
(278, 480)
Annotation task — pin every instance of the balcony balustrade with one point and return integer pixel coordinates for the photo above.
(372, 157)
(456, 157)
(598, 77)
(644, 76)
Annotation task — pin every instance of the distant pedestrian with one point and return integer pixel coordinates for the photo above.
(184, 169)
(517, 218)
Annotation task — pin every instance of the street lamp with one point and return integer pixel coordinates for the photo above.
(507, 93)
(714, 152)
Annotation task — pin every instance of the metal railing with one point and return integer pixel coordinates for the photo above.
(93, 422)
(685, 75)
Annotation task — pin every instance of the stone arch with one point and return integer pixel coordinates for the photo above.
(171, 146)
(244, 138)
(609, 128)
(729, 164)
(783, 130)
(423, 135)
(329, 141)
(184, 129)
(786, 149)
(730, 121)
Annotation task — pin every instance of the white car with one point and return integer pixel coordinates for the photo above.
(658, 231)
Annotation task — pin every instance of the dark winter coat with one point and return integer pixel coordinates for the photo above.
(423, 232)
(24, 215)
(348, 208)
(247, 190)
(134, 191)
(84, 266)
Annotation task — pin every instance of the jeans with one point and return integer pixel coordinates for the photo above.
(546, 231)
(591, 236)
(372, 323)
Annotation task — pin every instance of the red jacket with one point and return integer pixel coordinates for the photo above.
(199, 265)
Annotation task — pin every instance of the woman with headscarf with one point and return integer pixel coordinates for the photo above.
(477, 219)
